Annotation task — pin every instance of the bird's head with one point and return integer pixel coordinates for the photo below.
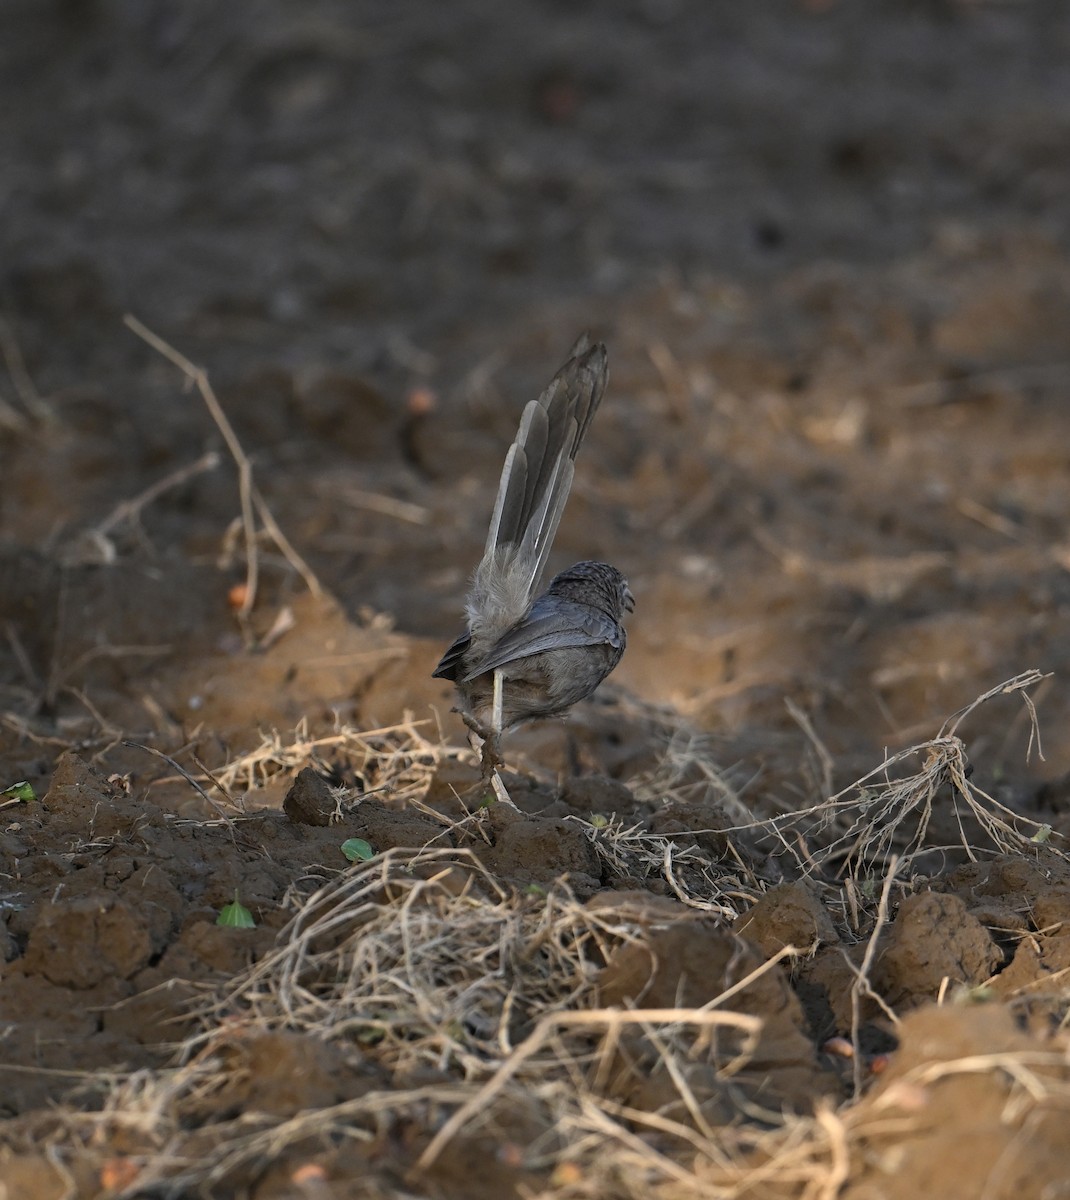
(597, 584)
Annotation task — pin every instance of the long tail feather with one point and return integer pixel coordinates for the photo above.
(534, 487)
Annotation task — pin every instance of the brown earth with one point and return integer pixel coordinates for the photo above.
(826, 245)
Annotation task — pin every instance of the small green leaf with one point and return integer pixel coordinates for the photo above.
(1042, 834)
(19, 791)
(533, 889)
(235, 916)
(357, 850)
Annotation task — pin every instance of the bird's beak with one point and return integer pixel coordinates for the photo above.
(629, 599)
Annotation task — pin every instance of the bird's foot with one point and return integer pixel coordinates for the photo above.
(491, 744)
(491, 751)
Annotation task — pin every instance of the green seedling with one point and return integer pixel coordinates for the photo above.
(357, 850)
(22, 792)
(235, 916)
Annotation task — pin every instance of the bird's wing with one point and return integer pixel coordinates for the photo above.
(451, 660)
(552, 624)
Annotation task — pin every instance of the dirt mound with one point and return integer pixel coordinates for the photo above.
(166, 1051)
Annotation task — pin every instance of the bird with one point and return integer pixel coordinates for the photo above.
(525, 654)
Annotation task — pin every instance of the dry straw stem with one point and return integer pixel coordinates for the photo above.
(694, 878)
(883, 814)
(425, 961)
(252, 502)
(179, 768)
(618, 1151)
(96, 545)
(612, 1020)
(426, 957)
(158, 1116)
(687, 772)
(396, 760)
(862, 989)
(650, 1020)
(25, 388)
(814, 1157)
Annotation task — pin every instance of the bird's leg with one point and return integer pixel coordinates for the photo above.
(496, 710)
(492, 744)
(492, 755)
(490, 748)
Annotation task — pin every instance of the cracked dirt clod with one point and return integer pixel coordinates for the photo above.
(933, 938)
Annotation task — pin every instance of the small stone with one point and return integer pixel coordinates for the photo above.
(310, 800)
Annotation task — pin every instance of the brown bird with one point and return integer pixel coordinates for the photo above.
(525, 655)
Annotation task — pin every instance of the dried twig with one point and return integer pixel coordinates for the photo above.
(182, 771)
(24, 386)
(128, 510)
(885, 812)
(252, 502)
(861, 988)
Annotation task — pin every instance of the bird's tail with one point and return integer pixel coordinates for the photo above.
(534, 487)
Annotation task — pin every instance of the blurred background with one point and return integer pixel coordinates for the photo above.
(825, 242)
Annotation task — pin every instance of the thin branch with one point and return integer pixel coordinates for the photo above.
(251, 499)
(182, 771)
(128, 509)
(861, 985)
(23, 384)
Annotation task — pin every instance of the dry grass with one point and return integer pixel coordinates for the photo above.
(888, 811)
(472, 1000)
(687, 772)
(481, 1009)
(478, 1007)
(253, 504)
(397, 762)
(424, 956)
(693, 877)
